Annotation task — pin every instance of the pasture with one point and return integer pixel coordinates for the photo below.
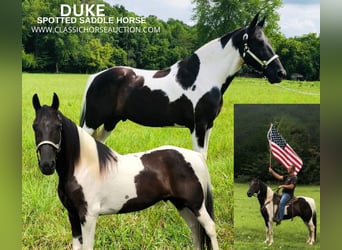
(249, 226)
(45, 223)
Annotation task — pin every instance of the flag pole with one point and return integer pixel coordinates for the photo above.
(270, 165)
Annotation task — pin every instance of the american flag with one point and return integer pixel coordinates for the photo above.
(282, 151)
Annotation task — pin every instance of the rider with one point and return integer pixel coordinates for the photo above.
(288, 187)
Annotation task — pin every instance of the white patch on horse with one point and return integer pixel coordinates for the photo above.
(210, 74)
(96, 189)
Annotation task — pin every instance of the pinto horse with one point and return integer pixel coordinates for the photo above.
(187, 94)
(94, 180)
(304, 207)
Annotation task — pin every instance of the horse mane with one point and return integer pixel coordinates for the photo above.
(70, 148)
(263, 192)
(225, 38)
(105, 155)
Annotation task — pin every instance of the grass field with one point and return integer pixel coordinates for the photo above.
(45, 224)
(249, 226)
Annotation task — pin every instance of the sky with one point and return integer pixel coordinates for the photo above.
(297, 17)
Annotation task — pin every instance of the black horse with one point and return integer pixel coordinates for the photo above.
(187, 94)
(304, 207)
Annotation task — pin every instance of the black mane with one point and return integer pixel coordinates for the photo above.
(225, 39)
(262, 193)
(105, 155)
(70, 148)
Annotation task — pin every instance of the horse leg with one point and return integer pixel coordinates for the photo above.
(269, 233)
(192, 222)
(102, 134)
(76, 231)
(107, 128)
(200, 140)
(209, 226)
(88, 232)
(90, 131)
(311, 227)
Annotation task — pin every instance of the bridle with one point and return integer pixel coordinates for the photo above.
(47, 142)
(246, 50)
(255, 194)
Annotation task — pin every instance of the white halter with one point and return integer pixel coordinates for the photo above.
(246, 49)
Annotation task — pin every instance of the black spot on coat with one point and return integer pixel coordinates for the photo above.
(187, 71)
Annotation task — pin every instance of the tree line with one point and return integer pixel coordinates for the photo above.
(89, 52)
(298, 124)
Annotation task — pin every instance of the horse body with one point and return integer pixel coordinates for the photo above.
(302, 206)
(188, 94)
(95, 180)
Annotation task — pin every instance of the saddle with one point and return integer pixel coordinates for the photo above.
(277, 197)
(276, 201)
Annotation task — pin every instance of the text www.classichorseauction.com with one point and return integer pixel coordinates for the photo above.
(75, 19)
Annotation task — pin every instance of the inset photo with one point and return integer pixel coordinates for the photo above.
(277, 176)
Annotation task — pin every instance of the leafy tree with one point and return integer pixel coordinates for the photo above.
(301, 55)
(217, 17)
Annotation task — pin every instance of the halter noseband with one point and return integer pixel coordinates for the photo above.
(263, 63)
(54, 145)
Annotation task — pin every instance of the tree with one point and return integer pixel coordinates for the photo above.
(300, 55)
(217, 17)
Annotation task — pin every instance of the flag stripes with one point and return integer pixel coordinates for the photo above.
(282, 151)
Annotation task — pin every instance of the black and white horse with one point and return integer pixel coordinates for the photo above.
(94, 180)
(303, 207)
(188, 94)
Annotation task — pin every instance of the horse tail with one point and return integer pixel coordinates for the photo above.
(209, 205)
(84, 100)
(83, 113)
(314, 220)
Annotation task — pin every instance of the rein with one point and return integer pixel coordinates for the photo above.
(246, 50)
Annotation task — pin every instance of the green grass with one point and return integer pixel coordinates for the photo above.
(45, 223)
(249, 226)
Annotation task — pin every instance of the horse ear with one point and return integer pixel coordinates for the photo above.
(262, 22)
(35, 102)
(254, 22)
(55, 102)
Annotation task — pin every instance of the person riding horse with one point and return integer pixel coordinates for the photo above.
(288, 187)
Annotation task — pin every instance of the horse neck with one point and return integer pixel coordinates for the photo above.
(219, 63)
(70, 149)
(265, 194)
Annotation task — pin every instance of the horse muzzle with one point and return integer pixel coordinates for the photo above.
(249, 194)
(277, 77)
(47, 167)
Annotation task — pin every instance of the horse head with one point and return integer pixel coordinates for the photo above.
(47, 128)
(254, 187)
(257, 52)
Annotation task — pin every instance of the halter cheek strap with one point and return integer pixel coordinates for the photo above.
(263, 63)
